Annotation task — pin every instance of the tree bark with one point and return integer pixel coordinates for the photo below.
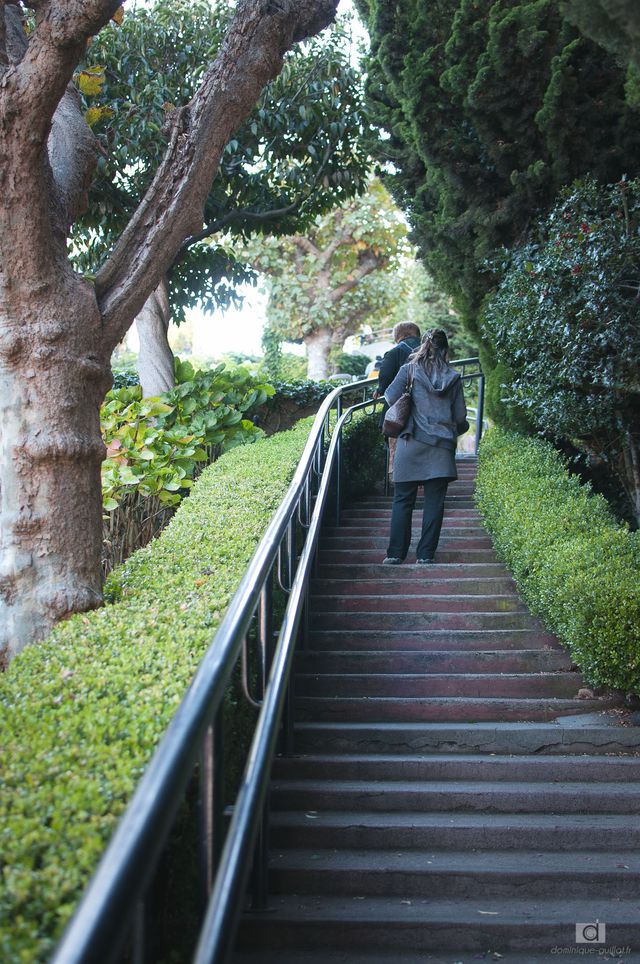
(318, 345)
(52, 382)
(56, 330)
(155, 358)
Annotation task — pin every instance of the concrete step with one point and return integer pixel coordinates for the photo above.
(439, 661)
(609, 732)
(432, 574)
(446, 554)
(529, 768)
(456, 795)
(463, 501)
(456, 528)
(429, 640)
(384, 602)
(418, 685)
(415, 583)
(427, 923)
(298, 955)
(452, 514)
(432, 709)
(447, 541)
(456, 874)
(366, 955)
(396, 620)
(456, 831)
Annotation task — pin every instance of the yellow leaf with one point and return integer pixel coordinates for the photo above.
(90, 81)
(118, 16)
(95, 114)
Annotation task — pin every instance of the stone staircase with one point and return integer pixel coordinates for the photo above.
(452, 797)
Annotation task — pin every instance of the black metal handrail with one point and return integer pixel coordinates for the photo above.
(113, 904)
(104, 916)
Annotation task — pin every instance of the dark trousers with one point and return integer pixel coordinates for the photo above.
(404, 500)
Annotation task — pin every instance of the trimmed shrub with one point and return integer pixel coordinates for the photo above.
(363, 454)
(574, 564)
(81, 713)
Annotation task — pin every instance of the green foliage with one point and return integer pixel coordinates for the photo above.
(574, 564)
(349, 364)
(345, 269)
(565, 321)
(613, 23)
(81, 713)
(488, 108)
(363, 454)
(302, 392)
(301, 144)
(125, 378)
(156, 444)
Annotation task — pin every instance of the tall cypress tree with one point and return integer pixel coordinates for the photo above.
(491, 106)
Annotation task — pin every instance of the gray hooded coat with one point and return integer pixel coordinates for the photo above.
(427, 446)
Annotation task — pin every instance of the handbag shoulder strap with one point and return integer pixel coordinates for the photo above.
(412, 370)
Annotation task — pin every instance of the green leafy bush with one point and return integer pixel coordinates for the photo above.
(157, 446)
(565, 322)
(574, 564)
(363, 454)
(125, 378)
(81, 713)
(154, 445)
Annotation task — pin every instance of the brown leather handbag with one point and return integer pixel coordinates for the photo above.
(397, 416)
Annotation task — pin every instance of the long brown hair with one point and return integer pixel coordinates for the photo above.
(433, 353)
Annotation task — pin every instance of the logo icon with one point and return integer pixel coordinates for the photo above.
(591, 933)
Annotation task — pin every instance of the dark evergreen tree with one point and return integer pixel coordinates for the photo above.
(616, 25)
(613, 23)
(487, 109)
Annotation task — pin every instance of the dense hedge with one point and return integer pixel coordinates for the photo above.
(363, 454)
(81, 713)
(574, 564)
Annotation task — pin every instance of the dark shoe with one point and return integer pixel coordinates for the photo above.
(425, 562)
(391, 561)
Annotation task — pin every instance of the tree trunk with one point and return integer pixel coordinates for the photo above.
(630, 474)
(318, 345)
(51, 385)
(57, 331)
(155, 358)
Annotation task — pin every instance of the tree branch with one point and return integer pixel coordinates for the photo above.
(57, 169)
(172, 209)
(4, 56)
(73, 154)
(255, 217)
(305, 244)
(53, 51)
(368, 263)
(330, 250)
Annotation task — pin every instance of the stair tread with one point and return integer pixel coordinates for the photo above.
(541, 674)
(565, 788)
(512, 909)
(526, 702)
(624, 863)
(447, 819)
(534, 759)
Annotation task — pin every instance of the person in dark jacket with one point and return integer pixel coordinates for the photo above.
(406, 336)
(426, 450)
(407, 339)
